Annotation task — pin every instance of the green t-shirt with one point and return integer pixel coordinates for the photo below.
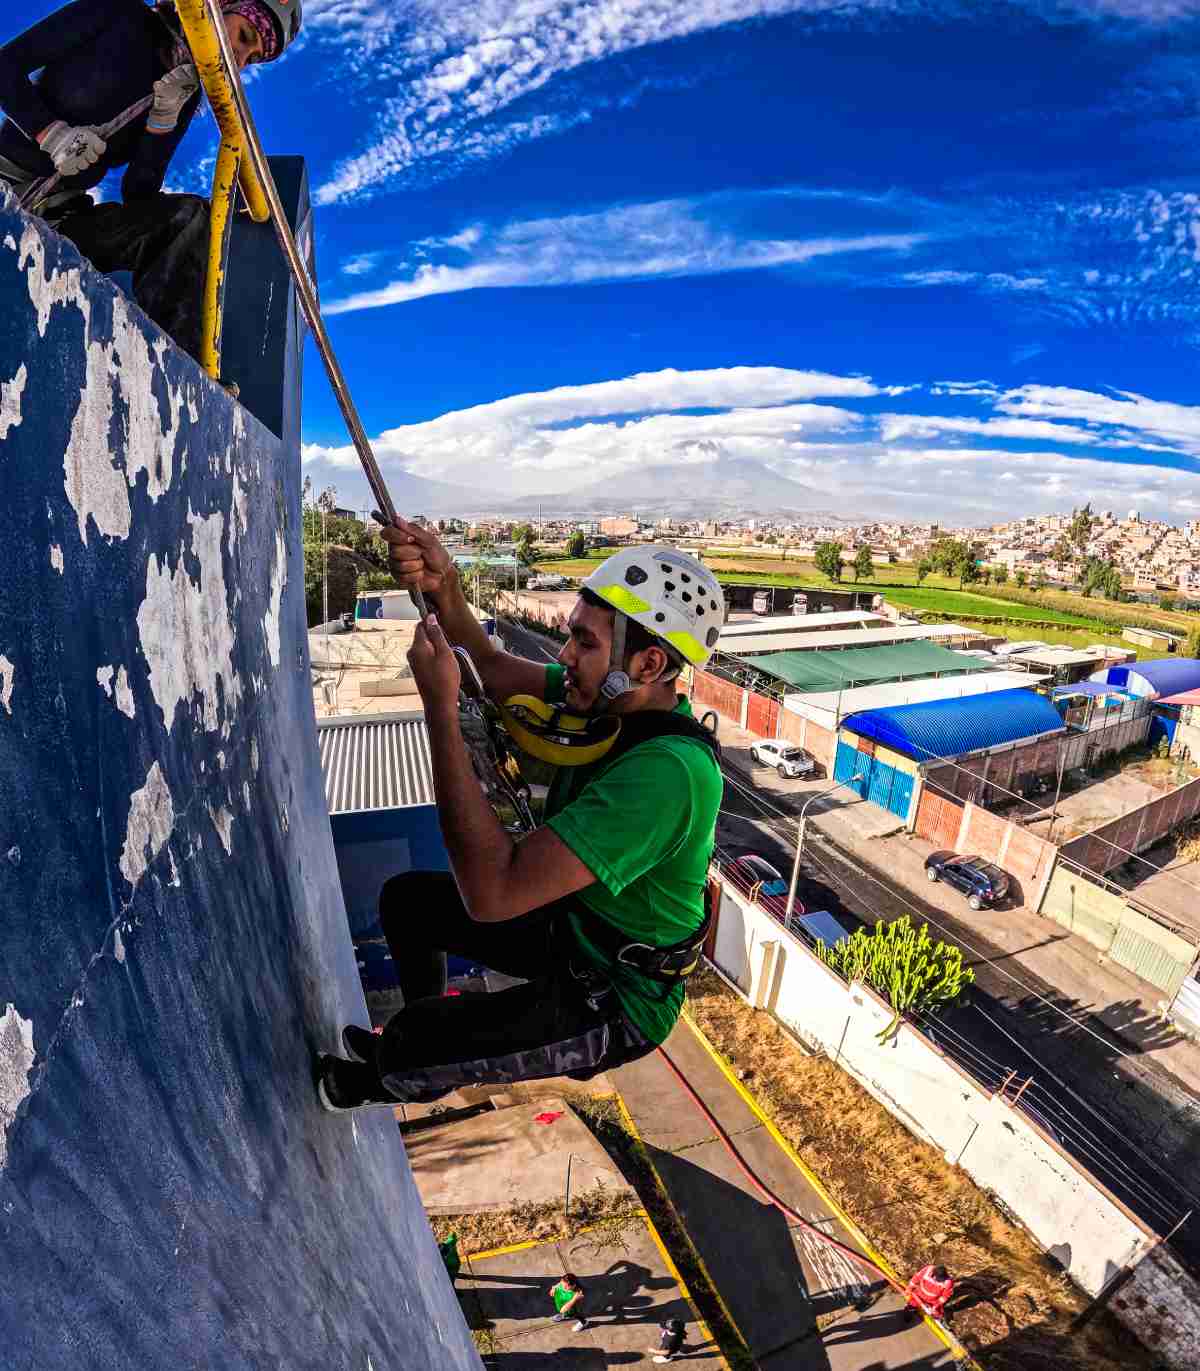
(645, 828)
(563, 1295)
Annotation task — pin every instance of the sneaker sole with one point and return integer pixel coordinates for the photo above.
(331, 1108)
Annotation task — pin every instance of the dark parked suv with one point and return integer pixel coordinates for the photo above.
(981, 882)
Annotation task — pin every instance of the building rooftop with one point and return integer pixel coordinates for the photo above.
(377, 762)
(840, 670)
(953, 728)
(792, 623)
(858, 638)
(1169, 676)
(829, 708)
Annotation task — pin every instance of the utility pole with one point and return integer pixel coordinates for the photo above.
(791, 899)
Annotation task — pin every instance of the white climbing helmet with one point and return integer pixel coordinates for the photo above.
(669, 593)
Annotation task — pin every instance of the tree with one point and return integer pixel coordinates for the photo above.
(1080, 532)
(828, 557)
(1022, 579)
(985, 575)
(1062, 551)
(864, 567)
(915, 974)
(1000, 574)
(968, 570)
(1039, 581)
(924, 567)
(1192, 646)
(577, 543)
(1166, 602)
(375, 580)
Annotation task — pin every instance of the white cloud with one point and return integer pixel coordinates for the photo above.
(1177, 426)
(361, 263)
(896, 427)
(660, 239)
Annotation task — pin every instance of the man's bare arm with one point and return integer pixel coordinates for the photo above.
(419, 561)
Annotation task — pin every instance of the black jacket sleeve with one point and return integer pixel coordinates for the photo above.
(147, 167)
(53, 38)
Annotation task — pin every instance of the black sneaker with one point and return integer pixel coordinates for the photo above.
(343, 1086)
(360, 1043)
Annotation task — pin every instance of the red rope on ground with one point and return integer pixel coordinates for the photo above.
(768, 1194)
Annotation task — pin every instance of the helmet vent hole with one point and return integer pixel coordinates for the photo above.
(669, 585)
(685, 578)
(699, 609)
(635, 576)
(713, 635)
(660, 617)
(687, 598)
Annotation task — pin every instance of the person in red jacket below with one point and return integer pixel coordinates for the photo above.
(929, 1290)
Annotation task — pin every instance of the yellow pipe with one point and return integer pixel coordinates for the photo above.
(212, 314)
(207, 54)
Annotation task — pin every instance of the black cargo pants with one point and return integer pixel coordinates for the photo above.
(554, 1025)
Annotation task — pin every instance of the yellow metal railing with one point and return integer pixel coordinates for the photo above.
(241, 160)
(233, 169)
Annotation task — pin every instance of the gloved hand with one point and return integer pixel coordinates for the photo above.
(171, 93)
(72, 150)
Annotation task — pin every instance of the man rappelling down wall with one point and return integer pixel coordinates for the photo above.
(602, 909)
(116, 86)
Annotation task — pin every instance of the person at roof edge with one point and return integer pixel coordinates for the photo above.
(86, 66)
(602, 910)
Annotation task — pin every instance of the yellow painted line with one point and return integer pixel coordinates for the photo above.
(504, 1251)
(683, 1290)
(943, 1334)
(696, 1257)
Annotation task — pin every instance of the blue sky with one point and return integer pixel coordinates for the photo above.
(932, 259)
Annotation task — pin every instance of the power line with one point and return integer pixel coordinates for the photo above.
(905, 898)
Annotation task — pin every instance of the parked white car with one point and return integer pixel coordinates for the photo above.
(788, 759)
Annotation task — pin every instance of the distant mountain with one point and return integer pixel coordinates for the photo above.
(419, 495)
(721, 486)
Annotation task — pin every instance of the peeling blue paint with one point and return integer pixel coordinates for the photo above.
(173, 947)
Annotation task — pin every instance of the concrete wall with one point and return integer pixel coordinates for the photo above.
(1066, 1210)
(1107, 847)
(821, 742)
(173, 945)
(1028, 859)
(987, 777)
(1152, 1306)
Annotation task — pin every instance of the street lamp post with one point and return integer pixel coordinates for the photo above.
(791, 899)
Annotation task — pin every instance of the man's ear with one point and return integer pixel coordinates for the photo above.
(652, 662)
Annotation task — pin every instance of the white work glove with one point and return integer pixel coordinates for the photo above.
(171, 93)
(72, 150)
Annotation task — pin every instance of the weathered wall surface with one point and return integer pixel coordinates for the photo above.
(1108, 846)
(173, 945)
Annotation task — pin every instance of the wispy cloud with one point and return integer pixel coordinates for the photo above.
(668, 238)
(361, 264)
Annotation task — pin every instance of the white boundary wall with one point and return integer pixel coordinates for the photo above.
(1068, 1212)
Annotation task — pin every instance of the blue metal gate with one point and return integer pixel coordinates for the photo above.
(884, 785)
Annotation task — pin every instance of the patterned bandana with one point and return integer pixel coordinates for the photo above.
(250, 10)
(260, 17)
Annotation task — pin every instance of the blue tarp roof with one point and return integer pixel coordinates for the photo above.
(1167, 676)
(950, 728)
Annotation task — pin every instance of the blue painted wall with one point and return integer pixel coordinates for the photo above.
(173, 943)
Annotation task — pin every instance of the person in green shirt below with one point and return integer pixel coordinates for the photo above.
(602, 910)
(568, 1299)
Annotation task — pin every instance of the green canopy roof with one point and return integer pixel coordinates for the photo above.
(808, 672)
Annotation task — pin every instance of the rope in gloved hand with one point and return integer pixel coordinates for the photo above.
(765, 1191)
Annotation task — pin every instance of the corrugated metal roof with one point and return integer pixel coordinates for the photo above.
(857, 638)
(951, 728)
(813, 623)
(830, 707)
(376, 761)
(817, 671)
(1170, 676)
(1186, 697)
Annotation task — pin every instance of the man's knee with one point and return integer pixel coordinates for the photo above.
(412, 891)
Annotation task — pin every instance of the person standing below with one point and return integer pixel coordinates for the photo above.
(928, 1292)
(93, 65)
(670, 1341)
(602, 910)
(568, 1300)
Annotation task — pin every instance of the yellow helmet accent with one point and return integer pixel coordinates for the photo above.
(548, 734)
(624, 600)
(688, 647)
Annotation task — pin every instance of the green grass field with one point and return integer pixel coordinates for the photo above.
(938, 595)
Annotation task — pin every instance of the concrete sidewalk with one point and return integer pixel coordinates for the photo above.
(1126, 1005)
(775, 1279)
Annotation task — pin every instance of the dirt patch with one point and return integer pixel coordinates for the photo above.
(1014, 1307)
